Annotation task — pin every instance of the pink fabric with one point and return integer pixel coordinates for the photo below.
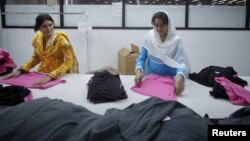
(28, 97)
(26, 80)
(8, 62)
(157, 86)
(237, 94)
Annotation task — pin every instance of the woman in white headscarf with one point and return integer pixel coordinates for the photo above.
(162, 53)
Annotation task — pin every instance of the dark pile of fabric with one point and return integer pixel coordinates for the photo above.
(13, 95)
(105, 87)
(150, 120)
(225, 83)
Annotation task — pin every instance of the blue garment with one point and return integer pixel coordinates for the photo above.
(151, 64)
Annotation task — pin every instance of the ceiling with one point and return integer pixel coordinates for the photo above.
(191, 2)
(173, 2)
(141, 2)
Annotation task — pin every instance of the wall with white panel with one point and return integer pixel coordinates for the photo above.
(99, 48)
(204, 48)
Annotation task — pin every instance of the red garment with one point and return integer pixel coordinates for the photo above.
(26, 80)
(237, 94)
(157, 86)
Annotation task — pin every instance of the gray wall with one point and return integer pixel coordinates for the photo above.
(100, 47)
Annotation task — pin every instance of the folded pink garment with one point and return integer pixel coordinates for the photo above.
(157, 86)
(27, 79)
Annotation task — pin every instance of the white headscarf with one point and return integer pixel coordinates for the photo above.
(168, 51)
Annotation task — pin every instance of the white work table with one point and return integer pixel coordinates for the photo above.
(195, 96)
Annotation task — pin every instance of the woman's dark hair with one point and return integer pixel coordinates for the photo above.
(40, 19)
(160, 15)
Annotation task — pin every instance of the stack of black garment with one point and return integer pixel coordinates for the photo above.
(207, 77)
(105, 87)
(12, 95)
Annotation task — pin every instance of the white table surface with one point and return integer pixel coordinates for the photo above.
(195, 96)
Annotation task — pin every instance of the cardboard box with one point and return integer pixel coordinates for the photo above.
(127, 60)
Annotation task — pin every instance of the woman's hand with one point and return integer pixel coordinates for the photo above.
(138, 77)
(179, 84)
(42, 81)
(12, 75)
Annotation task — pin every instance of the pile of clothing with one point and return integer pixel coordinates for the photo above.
(225, 82)
(6, 63)
(13, 95)
(104, 86)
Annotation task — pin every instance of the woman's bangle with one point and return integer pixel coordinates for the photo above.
(21, 70)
